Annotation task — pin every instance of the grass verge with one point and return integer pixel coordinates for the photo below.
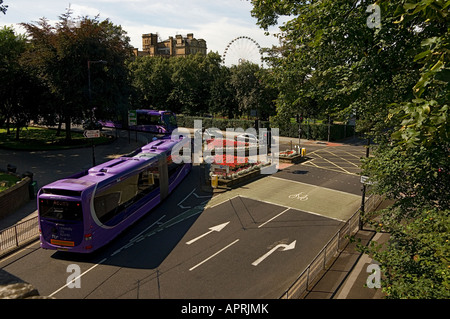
(40, 139)
(7, 180)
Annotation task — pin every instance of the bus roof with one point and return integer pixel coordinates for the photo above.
(116, 168)
(154, 112)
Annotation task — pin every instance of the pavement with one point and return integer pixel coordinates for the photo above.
(344, 279)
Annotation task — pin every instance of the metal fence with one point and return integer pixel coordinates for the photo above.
(334, 246)
(18, 235)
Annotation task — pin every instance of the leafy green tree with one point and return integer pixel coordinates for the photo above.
(3, 7)
(396, 78)
(411, 166)
(194, 85)
(330, 61)
(222, 97)
(60, 54)
(192, 78)
(152, 82)
(250, 91)
(20, 91)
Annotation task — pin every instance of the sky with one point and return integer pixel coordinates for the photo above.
(216, 21)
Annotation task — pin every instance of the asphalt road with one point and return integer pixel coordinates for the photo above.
(251, 242)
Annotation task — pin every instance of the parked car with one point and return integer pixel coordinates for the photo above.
(246, 137)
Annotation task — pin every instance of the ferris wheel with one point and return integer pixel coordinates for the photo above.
(242, 49)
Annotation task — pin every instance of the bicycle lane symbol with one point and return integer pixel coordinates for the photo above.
(300, 196)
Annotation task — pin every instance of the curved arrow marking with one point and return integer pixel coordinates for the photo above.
(217, 228)
(270, 252)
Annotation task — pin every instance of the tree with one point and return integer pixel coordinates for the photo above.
(61, 53)
(250, 91)
(3, 7)
(199, 84)
(191, 80)
(411, 167)
(20, 91)
(151, 79)
(331, 62)
(222, 97)
(396, 78)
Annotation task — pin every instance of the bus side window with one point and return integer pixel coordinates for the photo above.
(147, 181)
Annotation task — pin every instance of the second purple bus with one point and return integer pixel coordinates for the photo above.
(152, 121)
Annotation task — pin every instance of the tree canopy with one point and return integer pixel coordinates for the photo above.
(198, 84)
(65, 57)
(3, 7)
(388, 62)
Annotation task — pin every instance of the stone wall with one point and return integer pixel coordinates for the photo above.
(14, 197)
(12, 287)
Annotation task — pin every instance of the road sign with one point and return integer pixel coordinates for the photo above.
(366, 180)
(132, 117)
(91, 134)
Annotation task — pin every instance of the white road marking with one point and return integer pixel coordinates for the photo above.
(274, 218)
(201, 263)
(217, 228)
(274, 249)
(55, 292)
(183, 207)
(135, 237)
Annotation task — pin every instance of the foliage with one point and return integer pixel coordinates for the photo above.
(396, 79)
(19, 89)
(411, 166)
(7, 181)
(81, 68)
(415, 264)
(3, 7)
(251, 93)
(60, 54)
(330, 62)
(199, 84)
(40, 139)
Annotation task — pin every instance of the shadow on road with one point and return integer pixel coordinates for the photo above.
(147, 243)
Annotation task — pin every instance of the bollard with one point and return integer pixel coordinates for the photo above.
(11, 168)
(214, 181)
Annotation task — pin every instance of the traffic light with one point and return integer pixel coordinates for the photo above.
(299, 118)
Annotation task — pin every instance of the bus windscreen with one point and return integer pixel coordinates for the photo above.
(169, 120)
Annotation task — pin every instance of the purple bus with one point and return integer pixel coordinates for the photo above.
(86, 211)
(152, 121)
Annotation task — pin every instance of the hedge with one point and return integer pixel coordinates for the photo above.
(311, 131)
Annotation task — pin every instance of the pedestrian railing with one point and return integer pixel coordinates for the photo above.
(334, 246)
(18, 235)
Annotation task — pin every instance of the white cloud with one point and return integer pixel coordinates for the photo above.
(216, 21)
(81, 10)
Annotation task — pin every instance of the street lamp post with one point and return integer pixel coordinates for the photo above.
(363, 189)
(90, 100)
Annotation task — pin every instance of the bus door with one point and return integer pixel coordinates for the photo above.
(163, 176)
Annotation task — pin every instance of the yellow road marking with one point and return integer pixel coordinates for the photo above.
(342, 158)
(334, 164)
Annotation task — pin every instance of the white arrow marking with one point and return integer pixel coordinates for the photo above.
(217, 228)
(284, 248)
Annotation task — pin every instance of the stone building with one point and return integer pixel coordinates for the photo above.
(177, 46)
